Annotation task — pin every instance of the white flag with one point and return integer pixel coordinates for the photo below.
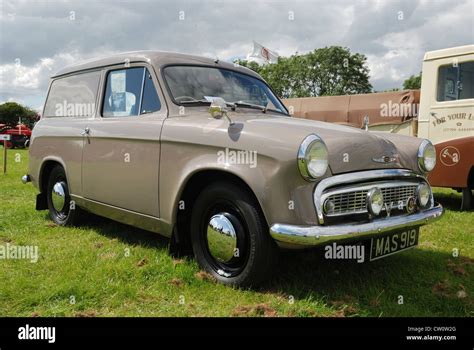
(260, 51)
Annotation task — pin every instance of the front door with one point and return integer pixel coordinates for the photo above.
(120, 165)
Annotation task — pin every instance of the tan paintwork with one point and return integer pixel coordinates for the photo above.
(167, 148)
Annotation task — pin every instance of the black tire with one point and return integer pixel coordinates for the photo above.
(467, 200)
(69, 215)
(258, 252)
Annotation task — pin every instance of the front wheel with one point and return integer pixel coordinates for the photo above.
(230, 236)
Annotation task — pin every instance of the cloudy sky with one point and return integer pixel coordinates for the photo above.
(39, 37)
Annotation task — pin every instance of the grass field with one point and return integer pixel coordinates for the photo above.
(108, 269)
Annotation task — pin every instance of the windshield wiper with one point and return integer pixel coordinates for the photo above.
(232, 105)
(249, 105)
(195, 101)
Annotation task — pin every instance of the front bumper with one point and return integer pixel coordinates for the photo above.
(316, 235)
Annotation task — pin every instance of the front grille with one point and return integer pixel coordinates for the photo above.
(348, 202)
(398, 195)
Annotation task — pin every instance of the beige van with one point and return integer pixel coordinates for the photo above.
(203, 152)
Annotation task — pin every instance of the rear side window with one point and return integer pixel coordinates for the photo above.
(456, 82)
(73, 96)
(130, 92)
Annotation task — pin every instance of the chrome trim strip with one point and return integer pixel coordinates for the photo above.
(316, 235)
(361, 176)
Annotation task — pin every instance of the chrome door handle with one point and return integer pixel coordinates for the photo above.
(86, 131)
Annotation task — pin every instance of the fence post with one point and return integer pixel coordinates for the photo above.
(5, 138)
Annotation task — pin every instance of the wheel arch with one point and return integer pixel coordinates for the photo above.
(46, 168)
(189, 192)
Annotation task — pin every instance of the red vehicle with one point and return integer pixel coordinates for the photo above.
(20, 135)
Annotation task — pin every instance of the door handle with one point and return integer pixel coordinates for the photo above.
(86, 132)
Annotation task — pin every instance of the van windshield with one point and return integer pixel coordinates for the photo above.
(190, 84)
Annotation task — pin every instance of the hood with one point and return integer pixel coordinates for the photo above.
(349, 149)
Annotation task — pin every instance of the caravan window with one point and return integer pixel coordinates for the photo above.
(456, 81)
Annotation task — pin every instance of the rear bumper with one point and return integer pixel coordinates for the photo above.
(316, 235)
(25, 179)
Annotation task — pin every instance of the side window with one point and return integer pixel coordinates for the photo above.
(129, 92)
(456, 82)
(150, 101)
(73, 96)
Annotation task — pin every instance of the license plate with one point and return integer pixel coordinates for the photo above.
(382, 246)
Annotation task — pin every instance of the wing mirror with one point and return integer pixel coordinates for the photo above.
(218, 109)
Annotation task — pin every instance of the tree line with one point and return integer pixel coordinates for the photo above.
(327, 71)
(12, 112)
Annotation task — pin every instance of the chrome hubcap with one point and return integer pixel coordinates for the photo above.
(58, 196)
(221, 237)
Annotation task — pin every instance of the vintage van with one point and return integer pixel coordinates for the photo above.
(203, 152)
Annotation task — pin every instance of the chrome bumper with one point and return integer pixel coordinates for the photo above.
(25, 179)
(315, 235)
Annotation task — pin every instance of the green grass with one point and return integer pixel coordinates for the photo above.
(91, 265)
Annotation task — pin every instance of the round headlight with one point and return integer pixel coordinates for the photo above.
(423, 194)
(426, 156)
(312, 157)
(375, 201)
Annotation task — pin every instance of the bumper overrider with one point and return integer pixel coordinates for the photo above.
(313, 235)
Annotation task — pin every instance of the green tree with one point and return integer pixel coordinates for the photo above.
(327, 71)
(412, 83)
(11, 112)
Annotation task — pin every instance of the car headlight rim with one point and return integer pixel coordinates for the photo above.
(423, 199)
(372, 207)
(426, 156)
(310, 172)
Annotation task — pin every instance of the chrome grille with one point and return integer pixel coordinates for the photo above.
(394, 195)
(353, 201)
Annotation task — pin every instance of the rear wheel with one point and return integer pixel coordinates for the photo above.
(467, 201)
(61, 210)
(230, 237)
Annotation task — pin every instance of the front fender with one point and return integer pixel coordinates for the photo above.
(280, 190)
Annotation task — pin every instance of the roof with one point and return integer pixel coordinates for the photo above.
(156, 58)
(449, 52)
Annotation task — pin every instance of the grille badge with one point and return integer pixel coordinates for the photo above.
(411, 205)
(386, 159)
